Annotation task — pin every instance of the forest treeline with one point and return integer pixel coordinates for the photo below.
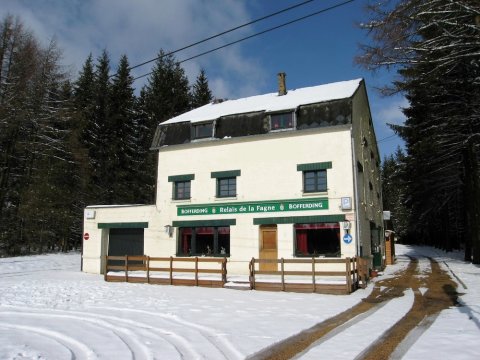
(433, 187)
(71, 140)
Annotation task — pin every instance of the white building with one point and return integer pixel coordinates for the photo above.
(281, 175)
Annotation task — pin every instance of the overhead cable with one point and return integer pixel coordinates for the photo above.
(256, 34)
(223, 33)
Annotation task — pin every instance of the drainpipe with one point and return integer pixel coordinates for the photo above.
(355, 188)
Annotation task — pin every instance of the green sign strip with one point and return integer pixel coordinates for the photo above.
(254, 207)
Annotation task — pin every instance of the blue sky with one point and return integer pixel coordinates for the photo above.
(315, 51)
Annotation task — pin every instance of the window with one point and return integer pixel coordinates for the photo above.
(226, 184)
(281, 121)
(202, 131)
(315, 181)
(318, 239)
(181, 190)
(204, 241)
(227, 187)
(181, 186)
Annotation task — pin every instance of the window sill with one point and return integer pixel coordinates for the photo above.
(225, 198)
(315, 193)
(181, 200)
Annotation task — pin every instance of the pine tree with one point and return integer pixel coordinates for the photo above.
(434, 45)
(122, 141)
(201, 94)
(98, 137)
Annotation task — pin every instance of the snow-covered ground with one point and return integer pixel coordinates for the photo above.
(51, 310)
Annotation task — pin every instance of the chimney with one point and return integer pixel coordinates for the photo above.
(282, 89)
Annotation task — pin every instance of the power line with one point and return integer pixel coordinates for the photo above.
(223, 33)
(256, 34)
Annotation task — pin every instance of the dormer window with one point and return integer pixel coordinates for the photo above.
(281, 121)
(203, 130)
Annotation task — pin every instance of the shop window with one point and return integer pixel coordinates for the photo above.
(181, 190)
(315, 181)
(204, 241)
(202, 131)
(320, 239)
(281, 121)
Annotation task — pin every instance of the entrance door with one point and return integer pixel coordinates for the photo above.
(268, 247)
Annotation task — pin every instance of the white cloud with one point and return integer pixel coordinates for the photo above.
(392, 113)
(140, 28)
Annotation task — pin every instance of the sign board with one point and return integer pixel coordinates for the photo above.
(346, 203)
(347, 238)
(86, 236)
(90, 214)
(254, 207)
(386, 215)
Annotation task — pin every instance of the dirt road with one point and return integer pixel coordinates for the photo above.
(433, 291)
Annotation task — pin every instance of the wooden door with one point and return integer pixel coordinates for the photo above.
(268, 247)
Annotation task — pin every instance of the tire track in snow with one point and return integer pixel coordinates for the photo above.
(299, 343)
(77, 349)
(223, 345)
(128, 336)
(183, 346)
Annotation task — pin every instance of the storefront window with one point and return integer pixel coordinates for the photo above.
(204, 241)
(319, 239)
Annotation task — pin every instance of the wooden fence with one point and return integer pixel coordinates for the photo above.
(326, 276)
(190, 271)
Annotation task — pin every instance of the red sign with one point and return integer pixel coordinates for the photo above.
(86, 236)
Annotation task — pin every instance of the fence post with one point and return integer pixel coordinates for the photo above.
(196, 270)
(171, 270)
(224, 270)
(313, 275)
(148, 269)
(349, 274)
(282, 262)
(126, 268)
(252, 274)
(105, 268)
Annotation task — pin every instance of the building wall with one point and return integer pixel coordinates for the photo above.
(367, 167)
(268, 172)
(268, 165)
(95, 248)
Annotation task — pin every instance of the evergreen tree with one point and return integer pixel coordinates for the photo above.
(98, 137)
(201, 94)
(167, 90)
(122, 142)
(434, 44)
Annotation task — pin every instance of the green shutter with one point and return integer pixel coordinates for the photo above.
(186, 177)
(225, 174)
(196, 223)
(299, 219)
(123, 225)
(314, 166)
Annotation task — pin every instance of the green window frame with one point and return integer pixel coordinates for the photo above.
(181, 186)
(226, 184)
(182, 190)
(226, 187)
(314, 181)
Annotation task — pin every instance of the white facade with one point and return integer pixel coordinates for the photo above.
(269, 170)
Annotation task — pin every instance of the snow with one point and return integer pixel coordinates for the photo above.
(270, 102)
(49, 309)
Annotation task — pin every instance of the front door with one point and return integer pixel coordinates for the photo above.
(268, 247)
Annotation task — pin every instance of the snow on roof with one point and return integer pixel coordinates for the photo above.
(270, 102)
